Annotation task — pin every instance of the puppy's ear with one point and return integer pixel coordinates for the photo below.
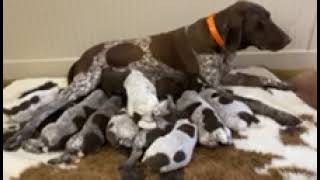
(234, 32)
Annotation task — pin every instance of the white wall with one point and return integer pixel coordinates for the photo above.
(45, 36)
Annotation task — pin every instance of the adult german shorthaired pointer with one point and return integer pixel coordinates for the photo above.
(203, 49)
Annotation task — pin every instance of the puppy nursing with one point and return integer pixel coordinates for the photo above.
(235, 114)
(92, 135)
(211, 129)
(121, 130)
(31, 100)
(55, 134)
(142, 98)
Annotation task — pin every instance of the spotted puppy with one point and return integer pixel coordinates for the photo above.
(211, 129)
(54, 135)
(165, 121)
(92, 135)
(190, 50)
(121, 130)
(142, 98)
(31, 100)
(235, 114)
(174, 150)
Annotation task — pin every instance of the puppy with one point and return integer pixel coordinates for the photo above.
(211, 129)
(174, 150)
(31, 100)
(164, 119)
(54, 135)
(121, 130)
(92, 135)
(142, 98)
(236, 115)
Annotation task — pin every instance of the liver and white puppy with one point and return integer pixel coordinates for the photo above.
(165, 119)
(92, 135)
(211, 129)
(235, 114)
(189, 50)
(32, 100)
(54, 135)
(174, 150)
(142, 98)
(121, 130)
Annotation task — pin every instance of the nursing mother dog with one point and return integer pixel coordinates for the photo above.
(204, 50)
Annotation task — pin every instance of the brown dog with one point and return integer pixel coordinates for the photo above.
(191, 50)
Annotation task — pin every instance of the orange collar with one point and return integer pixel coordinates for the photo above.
(214, 31)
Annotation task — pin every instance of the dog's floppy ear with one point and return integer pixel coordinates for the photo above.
(234, 32)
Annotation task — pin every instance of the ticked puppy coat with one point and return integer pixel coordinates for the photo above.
(54, 135)
(235, 114)
(92, 135)
(211, 129)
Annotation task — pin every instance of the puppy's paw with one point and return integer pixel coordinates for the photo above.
(13, 143)
(224, 136)
(35, 146)
(65, 158)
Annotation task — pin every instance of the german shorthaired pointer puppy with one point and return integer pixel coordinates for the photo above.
(142, 98)
(236, 115)
(203, 49)
(174, 150)
(211, 129)
(92, 135)
(121, 130)
(32, 100)
(54, 135)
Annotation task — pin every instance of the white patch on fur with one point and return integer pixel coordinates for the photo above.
(310, 136)
(266, 139)
(296, 176)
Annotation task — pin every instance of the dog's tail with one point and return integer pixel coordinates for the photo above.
(71, 73)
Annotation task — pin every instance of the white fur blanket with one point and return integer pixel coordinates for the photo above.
(265, 138)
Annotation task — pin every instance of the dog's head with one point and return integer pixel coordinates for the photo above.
(248, 24)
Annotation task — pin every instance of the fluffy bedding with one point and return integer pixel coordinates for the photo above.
(263, 151)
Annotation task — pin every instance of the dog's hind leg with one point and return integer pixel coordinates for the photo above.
(66, 157)
(243, 79)
(279, 116)
(81, 86)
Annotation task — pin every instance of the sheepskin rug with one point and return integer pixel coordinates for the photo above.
(265, 151)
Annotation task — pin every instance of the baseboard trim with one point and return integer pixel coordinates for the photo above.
(22, 68)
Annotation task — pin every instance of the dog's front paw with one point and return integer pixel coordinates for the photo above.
(64, 158)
